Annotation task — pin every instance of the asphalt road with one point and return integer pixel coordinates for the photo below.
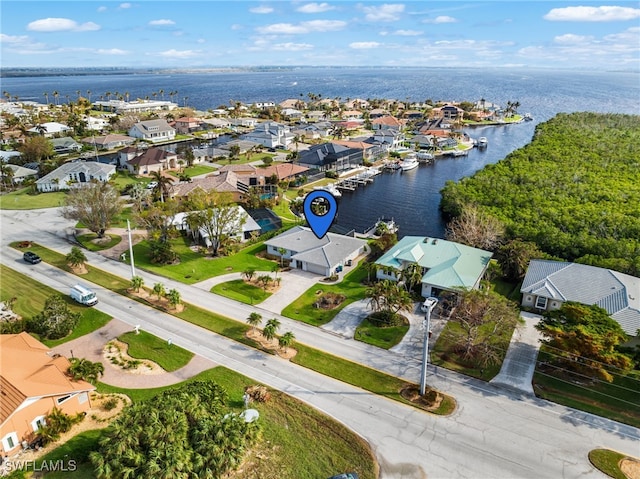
(494, 433)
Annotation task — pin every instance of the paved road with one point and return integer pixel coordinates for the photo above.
(494, 433)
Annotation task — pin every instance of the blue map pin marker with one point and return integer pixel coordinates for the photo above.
(320, 222)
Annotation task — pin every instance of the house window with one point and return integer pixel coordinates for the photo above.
(38, 423)
(541, 302)
(9, 441)
(62, 399)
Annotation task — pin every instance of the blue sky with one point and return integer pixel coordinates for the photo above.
(549, 34)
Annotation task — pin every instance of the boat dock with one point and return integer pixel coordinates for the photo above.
(359, 179)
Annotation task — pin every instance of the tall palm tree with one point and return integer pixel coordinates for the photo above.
(163, 184)
(76, 257)
(89, 95)
(55, 96)
(254, 320)
(159, 289)
(286, 340)
(46, 97)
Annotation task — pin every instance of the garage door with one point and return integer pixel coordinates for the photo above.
(318, 269)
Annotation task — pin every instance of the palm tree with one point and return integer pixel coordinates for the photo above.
(89, 95)
(86, 370)
(174, 297)
(265, 279)
(46, 97)
(163, 184)
(55, 96)
(286, 340)
(76, 257)
(6, 174)
(161, 91)
(159, 289)
(282, 252)
(137, 282)
(249, 273)
(254, 320)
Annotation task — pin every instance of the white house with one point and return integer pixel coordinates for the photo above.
(75, 173)
(50, 129)
(240, 230)
(307, 252)
(271, 135)
(153, 130)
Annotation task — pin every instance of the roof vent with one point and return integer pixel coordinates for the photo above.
(435, 241)
(426, 240)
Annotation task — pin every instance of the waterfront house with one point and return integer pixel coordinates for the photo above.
(151, 159)
(330, 157)
(271, 135)
(548, 284)
(217, 122)
(33, 381)
(226, 182)
(244, 122)
(370, 150)
(446, 265)
(305, 251)
(389, 139)
(448, 112)
(153, 130)
(65, 145)
(74, 174)
(109, 142)
(186, 125)
(137, 106)
(49, 129)
(387, 123)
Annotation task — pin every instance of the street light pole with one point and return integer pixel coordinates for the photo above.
(133, 270)
(425, 350)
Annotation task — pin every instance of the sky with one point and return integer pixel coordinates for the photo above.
(199, 34)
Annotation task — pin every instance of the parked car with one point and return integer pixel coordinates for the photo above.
(428, 304)
(31, 257)
(346, 475)
(152, 185)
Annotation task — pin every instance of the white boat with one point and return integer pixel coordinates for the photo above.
(424, 157)
(528, 117)
(331, 189)
(482, 142)
(409, 163)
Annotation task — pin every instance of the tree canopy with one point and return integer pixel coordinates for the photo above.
(584, 340)
(574, 190)
(184, 432)
(95, 205)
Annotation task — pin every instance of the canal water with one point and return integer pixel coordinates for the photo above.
(412, 198)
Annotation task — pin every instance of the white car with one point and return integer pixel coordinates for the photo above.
(152, 185)
(428, 304)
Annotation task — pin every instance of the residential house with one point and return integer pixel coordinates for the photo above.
(446, 265)
(20, 173)
(65, 145)
(244, 122)
(8, 155)
(316, 115)
(49, 129)
(74, 174)
(271, 135)
(151, 159)
(377, 113)
(241, 230)
(186, 125)
(351, 115)
(291, 113)
(263, 105)
(330, 156)
(244, 169)
(244, 145)
(305, 251)
(137, 106)
(95, 124)
(208, 153)
(109, 142)
(423, 141)
(217, 122)
(33, 382)
(448, 112)
(389, 139)
(548, 284)
(226, 182)
(284, 171)
(370, 151)
(387, 123)
(153, 130)
(293, 103)
(357, 104)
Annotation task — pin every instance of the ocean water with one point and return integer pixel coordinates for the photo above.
(411, 198)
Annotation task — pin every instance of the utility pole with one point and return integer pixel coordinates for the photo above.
(133, 269)
(425, 347)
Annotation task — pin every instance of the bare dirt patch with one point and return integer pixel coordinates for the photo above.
(272, 287)
(80, 269)
(328, 301)
(115, 353)
(430, 401)
(152, 299)
(630, 468)
(271, 345)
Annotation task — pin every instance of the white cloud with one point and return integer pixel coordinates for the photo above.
(408, 33)
(571, 39)
(261, 10)
(302, 27)
(61, 25)
(292, 47)
(592, 14)
(163, 21)
(315, 8)
(124, 6)
(201, 40)
(441, 19)
(111, 51)
(13, 39)
(236, 26)
(383, 13)
(364, 45)
(173, 53)
(102, 9)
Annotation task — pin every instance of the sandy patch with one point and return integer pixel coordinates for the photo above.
(153, 299)
(272, 345)
(80, 269)
(115, 354)
(630, 468)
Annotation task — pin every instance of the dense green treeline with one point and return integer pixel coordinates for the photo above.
(574, 190)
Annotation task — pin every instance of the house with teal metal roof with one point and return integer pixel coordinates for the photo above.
(446, 266)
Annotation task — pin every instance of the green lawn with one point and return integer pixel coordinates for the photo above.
(608, 462)
(385, 338)
(31, 296)
(617, 400)
(87, 241)
(283, 211)
(193, 171)
(123, 178)
(194, 267)
(23, 200)
(303, 309)
(241, 291)
(147, 346)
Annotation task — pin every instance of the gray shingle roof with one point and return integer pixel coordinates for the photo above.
(617, 293)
